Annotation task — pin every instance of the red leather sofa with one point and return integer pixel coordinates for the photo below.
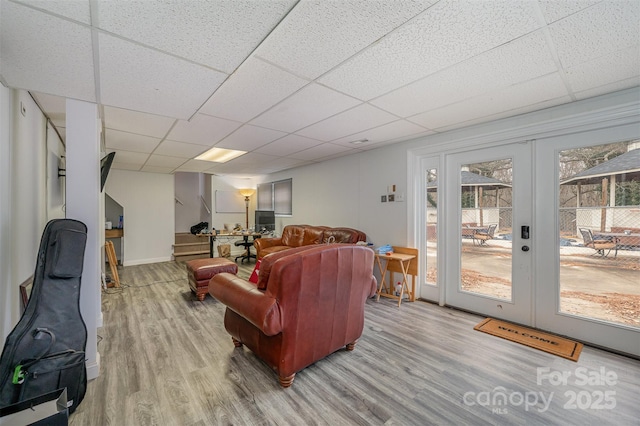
(308, 303)
(304, 235)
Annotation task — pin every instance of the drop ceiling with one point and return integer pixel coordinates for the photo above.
(298, 82)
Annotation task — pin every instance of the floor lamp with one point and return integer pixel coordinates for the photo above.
(246, 193)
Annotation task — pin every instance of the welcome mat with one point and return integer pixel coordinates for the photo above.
(528, 336)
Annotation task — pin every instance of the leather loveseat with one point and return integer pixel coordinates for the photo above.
(304, 235)
(308, 303)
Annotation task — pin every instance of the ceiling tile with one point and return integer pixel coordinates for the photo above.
(195, 166)
(127, 166)
(76, 10)
(597, 31)
(310, 105)
(520, 60)
(288, 145)
(254, 88)
(320, 151)
(219, 34)
(56, 45)
(492, 103)
(156, 169)
(248, 138)
(54, 106)
(342, 28)
(202, 129)
(137, 122)
(554, 10)
(179, 149)
(137, 78)
(164, 161)
(608, 88)
(620, 65)
(447, 33)
(530, 93)
(395, 130)
(131, 158)
(118, 140)
(355, 120)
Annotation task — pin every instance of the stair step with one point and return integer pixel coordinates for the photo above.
(186, 237)
(184, 258)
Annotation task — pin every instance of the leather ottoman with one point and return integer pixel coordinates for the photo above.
(200, 271)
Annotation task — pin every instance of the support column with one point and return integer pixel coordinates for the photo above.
(83, 203)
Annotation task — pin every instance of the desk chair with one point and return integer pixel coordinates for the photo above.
(247, 245)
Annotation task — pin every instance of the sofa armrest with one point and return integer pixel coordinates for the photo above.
(246, 300)
(263, 243)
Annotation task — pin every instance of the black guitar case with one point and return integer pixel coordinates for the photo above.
(46, 349)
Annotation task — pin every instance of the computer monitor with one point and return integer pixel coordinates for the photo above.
(265, 219)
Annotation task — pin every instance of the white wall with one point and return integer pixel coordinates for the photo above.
(55, 183)
(23, 196)
(226, 183)
(149, 214)
(8, 291)
(187, 190)
(346, 192)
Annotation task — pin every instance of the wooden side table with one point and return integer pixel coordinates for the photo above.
(402, 260)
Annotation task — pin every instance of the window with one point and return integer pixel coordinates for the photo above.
(276, 196)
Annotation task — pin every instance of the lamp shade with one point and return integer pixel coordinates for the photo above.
(247, 192)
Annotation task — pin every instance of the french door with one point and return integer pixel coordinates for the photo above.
(512, 247)
(488, 225)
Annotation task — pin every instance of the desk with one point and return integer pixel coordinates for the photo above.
(401, 260)
(213, 237)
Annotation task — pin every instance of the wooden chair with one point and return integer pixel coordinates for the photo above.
(599, 245)
(482, 236)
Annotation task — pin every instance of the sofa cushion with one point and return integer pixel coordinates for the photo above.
(269, 260)
(343, 235)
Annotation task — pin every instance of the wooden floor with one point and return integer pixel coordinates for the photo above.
(167, 360)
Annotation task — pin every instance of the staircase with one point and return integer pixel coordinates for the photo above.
(188, 247)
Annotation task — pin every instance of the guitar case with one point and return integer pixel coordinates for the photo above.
(45, 351)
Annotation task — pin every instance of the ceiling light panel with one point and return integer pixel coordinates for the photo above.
(75, 10)
(117, 140)
(355, 120)
(64, 46)
(219, 34)
(179, 149)
(507, 99)
(310, 105)
(597, 31)
(137, 122)
(288, 145)
(248, 138)
(445, 34)
(520, 60)
(202, 129)
(137, 78)
(220, 155)
(255, 87)
(318, 35)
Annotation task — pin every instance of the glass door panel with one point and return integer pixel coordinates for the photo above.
(485, 200)
(599, 232)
